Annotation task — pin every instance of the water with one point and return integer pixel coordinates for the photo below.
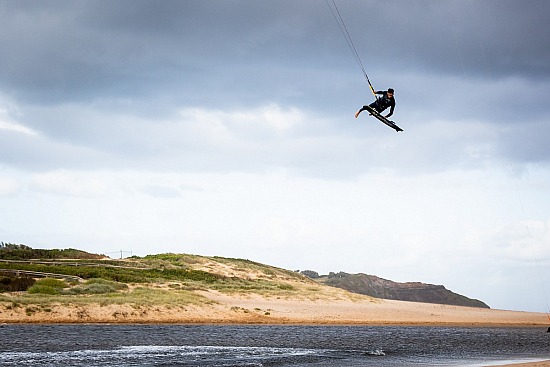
(296, 346)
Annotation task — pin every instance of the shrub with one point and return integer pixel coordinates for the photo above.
(51, 282)
(310, 274)
(12, 251)
(94, 288)
(115, 285)
(48, 286)
(97, 286)
(14, 284)
(43, 289)
(285, 287)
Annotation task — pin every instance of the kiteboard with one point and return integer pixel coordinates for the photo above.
(381, 118)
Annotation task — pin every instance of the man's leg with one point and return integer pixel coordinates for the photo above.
(375, 107)
(361, 110)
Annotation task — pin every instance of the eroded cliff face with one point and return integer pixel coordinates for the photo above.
(412, 291)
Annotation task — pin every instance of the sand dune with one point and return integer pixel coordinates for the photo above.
(253, 308)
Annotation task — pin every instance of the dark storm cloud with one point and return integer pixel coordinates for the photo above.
(481, 38)
(82, 50)
(111, 77)
(61, 50)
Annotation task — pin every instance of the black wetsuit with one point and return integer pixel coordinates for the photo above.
(382, 103)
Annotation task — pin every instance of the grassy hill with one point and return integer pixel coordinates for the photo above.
(163, 279)
(176, 278)
(179, 288)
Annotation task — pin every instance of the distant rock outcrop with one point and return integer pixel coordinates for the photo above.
(414, 291)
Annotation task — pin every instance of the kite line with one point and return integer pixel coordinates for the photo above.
(342, 25)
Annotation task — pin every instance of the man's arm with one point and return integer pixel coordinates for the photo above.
(391, 111)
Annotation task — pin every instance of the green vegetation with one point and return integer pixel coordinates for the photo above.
(10, 283)
(97, 286)
(139, 297)
(50, 282)
(175, 259)
(11, 251)
(43, 289)
(164, 279)
(48, 286)
(119, 274)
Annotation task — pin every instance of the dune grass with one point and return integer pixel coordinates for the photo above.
(120, 274)
(138, 297)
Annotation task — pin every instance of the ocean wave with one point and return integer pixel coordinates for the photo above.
(202, 353)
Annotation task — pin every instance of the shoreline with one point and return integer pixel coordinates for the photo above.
(305, 323)
(515, 363)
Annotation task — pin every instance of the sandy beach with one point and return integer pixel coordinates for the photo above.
(254, 308)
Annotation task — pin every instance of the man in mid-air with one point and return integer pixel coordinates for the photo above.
(381, 103)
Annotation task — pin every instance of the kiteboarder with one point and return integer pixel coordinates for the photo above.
(381, 103)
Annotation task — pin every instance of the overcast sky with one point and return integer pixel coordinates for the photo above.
(227, 128)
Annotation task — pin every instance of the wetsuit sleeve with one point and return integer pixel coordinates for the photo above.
(391, 110)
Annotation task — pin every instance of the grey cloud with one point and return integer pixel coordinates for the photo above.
(36, 153)
(239, 51)
(88, 50)
(488, 39)
(103, 82)
(83, 50)
(526, 144)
